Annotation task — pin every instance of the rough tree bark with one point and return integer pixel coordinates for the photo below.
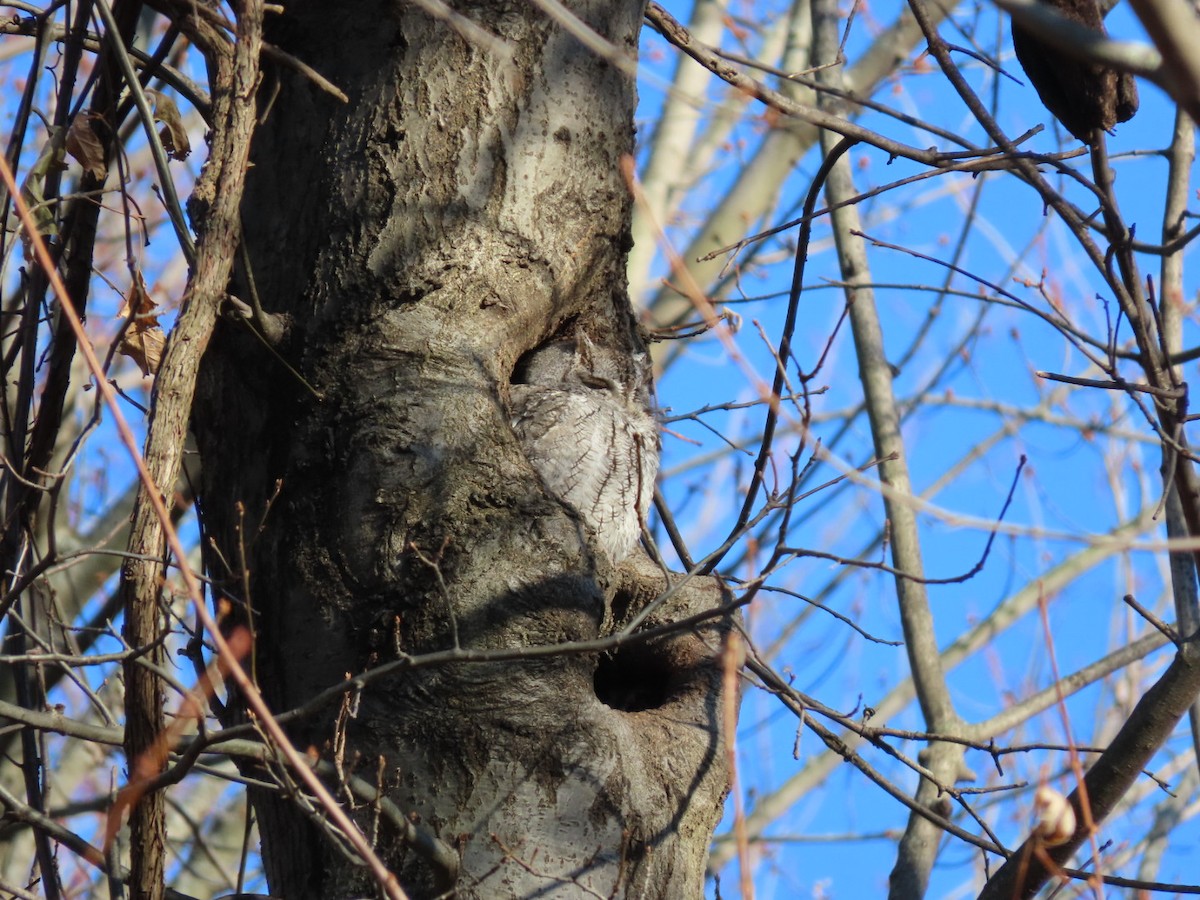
(408, 248)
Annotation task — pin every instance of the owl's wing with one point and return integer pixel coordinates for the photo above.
(594, 454)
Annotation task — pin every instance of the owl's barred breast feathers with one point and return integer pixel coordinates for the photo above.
(582, 414)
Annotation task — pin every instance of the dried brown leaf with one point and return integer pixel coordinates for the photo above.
(144, 339)
(173, 135)
(85, 146)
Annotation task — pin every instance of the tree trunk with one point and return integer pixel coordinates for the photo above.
(408, 248)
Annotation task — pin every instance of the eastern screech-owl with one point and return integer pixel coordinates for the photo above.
(582, 413)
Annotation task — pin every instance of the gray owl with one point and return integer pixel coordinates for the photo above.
(582, 414)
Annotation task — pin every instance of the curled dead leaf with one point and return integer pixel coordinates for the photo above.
(85, 147)
(144, 338)
(173, 135)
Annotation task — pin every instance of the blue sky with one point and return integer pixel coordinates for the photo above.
(1074, 482)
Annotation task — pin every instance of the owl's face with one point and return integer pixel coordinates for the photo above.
(588, 365)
